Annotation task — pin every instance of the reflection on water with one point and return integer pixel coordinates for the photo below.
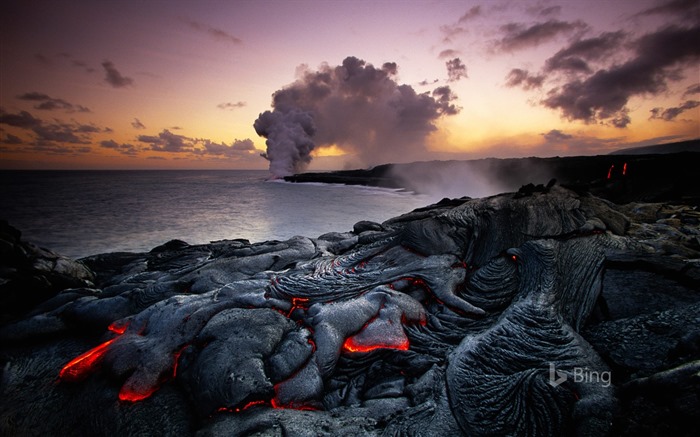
(79, 213)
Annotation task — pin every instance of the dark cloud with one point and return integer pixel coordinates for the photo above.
(63, 133)
(12, 139)
(215, 33)
(53, 136)
(576, 56)
(472, 13)
(48, 103)
(670, 114)
(546, 12)
(693, 89)
(231, 106)
(519, 36)
(556, 136)
(444, 96)
(136, 124)
(22, 120)
(124, 149)
(239, 148)
(114, 77)
(684, 9)
(451, 31)
(658, 58)
(449, 53)
(523, 78)
(456, 70)
(167, 141)
(426, 82)
(43, 60)
(355, 106)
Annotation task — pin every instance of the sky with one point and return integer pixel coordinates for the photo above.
(316, 85)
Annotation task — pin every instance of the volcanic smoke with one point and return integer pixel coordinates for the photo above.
(355, 106)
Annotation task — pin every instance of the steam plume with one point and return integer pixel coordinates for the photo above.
(355, 106)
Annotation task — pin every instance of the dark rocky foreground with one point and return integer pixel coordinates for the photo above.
(542, 312)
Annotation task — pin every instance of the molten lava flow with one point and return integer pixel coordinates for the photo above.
(624, 169)
(128, 395)
(351, 346)
(118, 327)
(177, 359)
(297, 303)
(79, 367)
(610, 171)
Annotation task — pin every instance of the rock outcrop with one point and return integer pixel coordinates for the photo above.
(544, 312)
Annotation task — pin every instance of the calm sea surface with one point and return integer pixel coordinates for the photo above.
(81, 213)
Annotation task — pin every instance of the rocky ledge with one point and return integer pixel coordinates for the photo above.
(542, 312)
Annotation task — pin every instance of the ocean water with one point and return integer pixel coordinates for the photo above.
(81, 213)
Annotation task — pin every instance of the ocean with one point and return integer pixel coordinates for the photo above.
(82, 213)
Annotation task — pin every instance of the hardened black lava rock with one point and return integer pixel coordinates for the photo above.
(549, 312)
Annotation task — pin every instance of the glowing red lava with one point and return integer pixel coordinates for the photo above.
(624, 169)
(351, 345)
(128, 395)
(610, 170)
(79, 367)
(118, 327)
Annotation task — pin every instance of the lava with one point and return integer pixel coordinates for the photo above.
(128, 395)
(351, 346)
(612, 167)
(118, 327)
(78, 367)
(624, 169)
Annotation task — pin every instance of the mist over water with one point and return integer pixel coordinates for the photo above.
(81, 213)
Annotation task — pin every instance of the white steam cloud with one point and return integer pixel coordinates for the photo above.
(355, 106)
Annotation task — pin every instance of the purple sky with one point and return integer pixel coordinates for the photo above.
(179, 84)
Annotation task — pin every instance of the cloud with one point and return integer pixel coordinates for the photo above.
(231, 106)
(451, 31)
(167, 141)
(456, 70)
(684, 9)
(518, 36)
(523, 78)
(472, 13)
(693, 89)
(574, 57)
(670, 114)
(124, 149)
(426, 82)
(51, 132)
(114, 77)
(355, 106)
(48, 103)
(136, 124)
(12, 139)
(239, 148)
(556, 136)
(544, 12)
(448, 53)
(444, 96)
(658, 58)
(22, 120)
(213, 32)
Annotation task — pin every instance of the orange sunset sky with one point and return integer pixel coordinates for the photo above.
(178, 84)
